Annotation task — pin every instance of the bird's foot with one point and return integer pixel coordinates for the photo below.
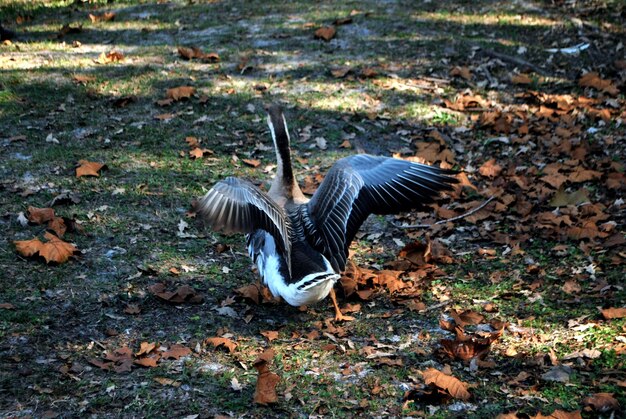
(340, 317)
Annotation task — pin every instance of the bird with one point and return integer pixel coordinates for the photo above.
(300, 245)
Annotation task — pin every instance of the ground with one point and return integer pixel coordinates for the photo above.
(520, 301)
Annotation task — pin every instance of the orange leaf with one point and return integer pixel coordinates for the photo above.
(462, 72)
(176, 352)
(452, 385)
(196, 153)
(270, 335)
(40, 215)
(490, 169)
(88, 168)
(265, 391)
(57, 224)
(250, 292)
(326, 33)
(56, 250)
(252, 162)
(613, 313)
(104, 17)
(110, 57)
(181, 92)
(602, 402)
(225, 342)
(83, 78)
(193, 142)
(145, 348)
(149, 362)
(28, 248)
(592, 79)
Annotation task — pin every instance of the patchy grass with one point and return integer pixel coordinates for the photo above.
(66, 315)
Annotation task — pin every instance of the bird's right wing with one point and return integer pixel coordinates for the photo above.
(237, 206)
(360, 185)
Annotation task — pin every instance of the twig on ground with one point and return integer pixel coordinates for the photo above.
(458, 217)
(514, 60)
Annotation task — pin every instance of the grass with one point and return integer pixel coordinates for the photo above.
(62, 313)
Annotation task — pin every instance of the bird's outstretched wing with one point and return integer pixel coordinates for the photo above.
(237, 206)
(360, 185)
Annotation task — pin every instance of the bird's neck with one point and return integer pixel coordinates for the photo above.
(284, 184)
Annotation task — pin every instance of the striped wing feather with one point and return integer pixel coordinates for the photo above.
(237, 206)
(360, 185)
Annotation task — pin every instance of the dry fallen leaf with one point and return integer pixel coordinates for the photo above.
(110, 57)
(176, 352)
(88, 168)
(28, 248)
(225, 342)
(104, 17)
(614, 313)
(40, 215)
(252, 162)
(179, 93)
(462, 72)
(270, 335)
(455, 387)
(55, 249)
(592, 79)
(326, 33)
(265, 390)
(521, 79)
(195, 52)
(602, 402)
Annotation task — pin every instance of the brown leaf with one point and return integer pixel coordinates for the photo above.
(490, 169)
(104, 17)
(225, 342)
(167, 381)
(250, 292)
(7, 306)
(521, 79)
(55, 249)
(592, 79)
(132, 309)
(193, 142)
(88, 168)
(602, 402)
(181, 92)
(176, 352)
(613, 313)
(452, 385)
(326, 33)
(345, 144)
(83, 78)
(195, 52)
(148, 361)
(252, 162)
(28, 248)
(183, 294)
(265, 390)
(196, 153)
(110, 57)
(270, 335)
(40, 215)
(57, 224)
(145, 348)
(571, 287)
(462, 72)
(466, 317)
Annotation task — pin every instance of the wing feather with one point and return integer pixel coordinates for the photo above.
(360, 185)
(237, 206)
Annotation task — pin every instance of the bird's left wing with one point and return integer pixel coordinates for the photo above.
(237, 206)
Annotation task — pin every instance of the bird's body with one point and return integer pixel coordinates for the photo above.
(300, 246)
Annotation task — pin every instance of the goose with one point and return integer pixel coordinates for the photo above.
(300, 245)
